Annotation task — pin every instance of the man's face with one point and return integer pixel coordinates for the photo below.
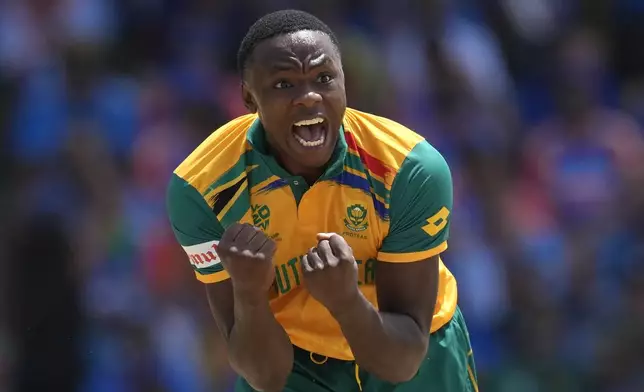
(295, 83)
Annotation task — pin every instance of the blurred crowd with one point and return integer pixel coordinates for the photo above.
(538, 106)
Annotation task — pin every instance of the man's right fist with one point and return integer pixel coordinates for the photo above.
(247, 255)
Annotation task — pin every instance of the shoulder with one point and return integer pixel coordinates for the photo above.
(189, 207)
(395, 145)
(423, 176)
(380, 135)
(217, 154)
(424, 160)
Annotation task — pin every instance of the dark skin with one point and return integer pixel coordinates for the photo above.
(290, 78)
(258, 347)
(294, 77)
(390, 342)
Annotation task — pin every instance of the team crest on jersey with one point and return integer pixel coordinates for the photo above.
(356, 219)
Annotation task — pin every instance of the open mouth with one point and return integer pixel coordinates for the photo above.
(310, 133)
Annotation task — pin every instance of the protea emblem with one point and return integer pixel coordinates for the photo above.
(356, 218)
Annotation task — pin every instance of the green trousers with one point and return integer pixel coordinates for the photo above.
(449, 367)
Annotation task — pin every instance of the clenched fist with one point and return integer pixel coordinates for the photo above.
(330, 271)
(247, 255)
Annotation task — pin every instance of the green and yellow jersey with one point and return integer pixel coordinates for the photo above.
(387, 192)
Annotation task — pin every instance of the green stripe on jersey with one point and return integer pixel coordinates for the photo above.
(261, 173)
(213, 269)
(192, 219)
(238, 209)
(378, 187)
(235, 171)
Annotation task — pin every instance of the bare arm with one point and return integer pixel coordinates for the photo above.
(259, 349)
(236, 265)
(391, 343)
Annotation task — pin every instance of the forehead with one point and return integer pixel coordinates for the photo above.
(300, 46)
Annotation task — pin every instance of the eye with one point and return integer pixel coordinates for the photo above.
(282, 84)
(325, 78)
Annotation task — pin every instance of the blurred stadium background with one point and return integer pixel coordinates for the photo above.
(538, 106)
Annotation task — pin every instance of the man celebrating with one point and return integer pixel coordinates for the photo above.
(317, 230)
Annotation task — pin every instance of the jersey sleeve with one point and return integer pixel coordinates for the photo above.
(420, 206)
(196, 228)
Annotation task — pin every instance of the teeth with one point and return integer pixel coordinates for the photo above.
(312, 121)
(314, 143)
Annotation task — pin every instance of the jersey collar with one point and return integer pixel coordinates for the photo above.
(256, 136)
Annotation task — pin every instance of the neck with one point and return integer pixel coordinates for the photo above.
(311, 175)
(311, 178)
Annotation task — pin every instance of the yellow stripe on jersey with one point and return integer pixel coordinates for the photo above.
(242, 189)
(413, 256)
(217, 154)
(212, 278)
(384, 139)
(256, 188)
(355, 172)
(387, 183)
(228, 184)
(364, 176)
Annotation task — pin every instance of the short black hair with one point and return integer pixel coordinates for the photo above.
(279, 23)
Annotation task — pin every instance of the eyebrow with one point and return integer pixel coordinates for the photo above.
(317, 62)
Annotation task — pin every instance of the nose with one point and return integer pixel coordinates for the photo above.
(308, 98)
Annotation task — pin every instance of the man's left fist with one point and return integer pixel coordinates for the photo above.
(330, 271)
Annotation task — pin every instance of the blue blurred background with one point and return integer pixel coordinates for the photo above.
(538, 106)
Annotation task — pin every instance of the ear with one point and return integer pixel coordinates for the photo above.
(247, 97)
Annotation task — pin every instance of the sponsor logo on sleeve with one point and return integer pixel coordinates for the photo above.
(203, 255)
(437, 222)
